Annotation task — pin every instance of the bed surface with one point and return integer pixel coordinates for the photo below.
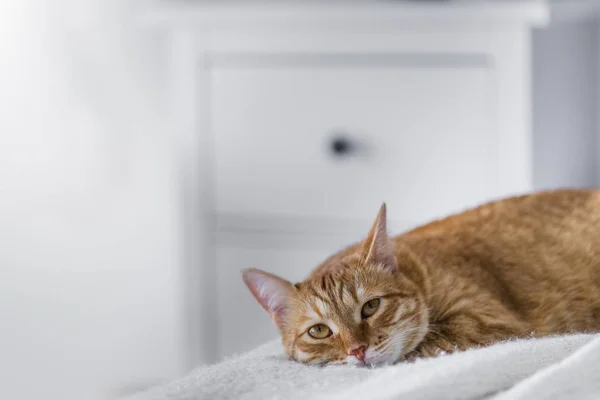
(551, 368)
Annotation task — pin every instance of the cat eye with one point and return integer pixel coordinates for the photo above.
(369, 308)
(319, 331)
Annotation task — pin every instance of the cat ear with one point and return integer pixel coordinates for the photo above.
(377, 248)
(273, 293)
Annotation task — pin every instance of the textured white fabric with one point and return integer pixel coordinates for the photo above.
(564, 367)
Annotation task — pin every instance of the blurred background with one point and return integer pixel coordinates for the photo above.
(150, 150)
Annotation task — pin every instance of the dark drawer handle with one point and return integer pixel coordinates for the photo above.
(341, 146)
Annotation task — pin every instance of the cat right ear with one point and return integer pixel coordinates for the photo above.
(273, 293)
(377, 248)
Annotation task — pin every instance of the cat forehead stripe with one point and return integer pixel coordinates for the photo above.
(347, 296)
(322, 307)
(313, 312)
(360, 291)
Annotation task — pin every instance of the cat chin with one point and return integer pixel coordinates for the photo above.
(377, 359)
(372, 359)
(351, 360)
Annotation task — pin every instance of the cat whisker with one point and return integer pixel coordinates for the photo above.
(402, 337)
(412, 317)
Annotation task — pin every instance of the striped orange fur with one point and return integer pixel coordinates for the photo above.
(521, 266)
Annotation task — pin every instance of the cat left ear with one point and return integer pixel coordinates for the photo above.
(377, 248)
(273, 293)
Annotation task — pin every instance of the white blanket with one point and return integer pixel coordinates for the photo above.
(566, 367)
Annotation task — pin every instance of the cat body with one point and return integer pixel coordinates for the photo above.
(517, 267)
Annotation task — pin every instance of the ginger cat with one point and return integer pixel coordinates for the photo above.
(521, 266)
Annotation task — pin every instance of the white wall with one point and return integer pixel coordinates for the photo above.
(565, 93)
(88, 256)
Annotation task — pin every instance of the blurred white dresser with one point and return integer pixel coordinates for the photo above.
(294, 121)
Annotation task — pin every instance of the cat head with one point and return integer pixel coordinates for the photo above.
(360, 310)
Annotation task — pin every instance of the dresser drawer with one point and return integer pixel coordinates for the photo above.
(329, 136)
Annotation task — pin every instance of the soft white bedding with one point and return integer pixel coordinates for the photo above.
(565, 367)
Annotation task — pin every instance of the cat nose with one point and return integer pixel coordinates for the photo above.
(358, 352)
